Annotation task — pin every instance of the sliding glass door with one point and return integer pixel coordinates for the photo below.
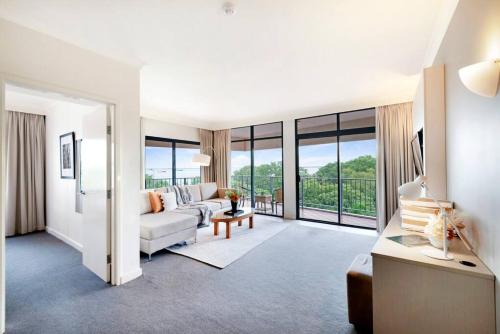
(336, 161)
(257, 167)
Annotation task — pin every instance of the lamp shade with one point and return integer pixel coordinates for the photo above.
(412, 190)
(481, 78)
(201, 159)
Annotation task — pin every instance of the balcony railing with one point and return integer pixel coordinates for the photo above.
(264, 185)
(358, 195)
(160, 183)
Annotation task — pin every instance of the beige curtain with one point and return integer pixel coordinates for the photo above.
(394, 131)
(222, 158)
(206, 147)
(25, 200)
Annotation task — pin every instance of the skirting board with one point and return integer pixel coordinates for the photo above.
(64, 238)
(131, 275)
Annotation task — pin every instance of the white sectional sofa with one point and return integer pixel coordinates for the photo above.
(166, 228)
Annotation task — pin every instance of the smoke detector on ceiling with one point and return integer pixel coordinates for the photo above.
(228, 8)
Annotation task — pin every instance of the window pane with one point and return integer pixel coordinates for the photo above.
(268, 172)
(317, 124)
(267, 130)
(240, 133)
(267, 188)
(240, 169)
(158, 164)
(318, 186)
(186, 172)
(357, 119)
(358, 168)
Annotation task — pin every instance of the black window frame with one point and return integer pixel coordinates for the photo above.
(338, 133)
(252, 141)
(174, 165)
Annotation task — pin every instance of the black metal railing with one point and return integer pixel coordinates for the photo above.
(264, 185)
(358, 195)
(160, 183)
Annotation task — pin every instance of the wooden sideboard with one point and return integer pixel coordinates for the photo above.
(413, 293)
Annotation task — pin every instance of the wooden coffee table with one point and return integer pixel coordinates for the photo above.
(228, 219)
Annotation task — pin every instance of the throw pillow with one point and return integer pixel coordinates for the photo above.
(145, 202)
(155, 200)
(169, 201)
(187, 197)
(175, 190)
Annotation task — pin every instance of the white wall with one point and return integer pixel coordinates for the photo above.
(472, 128)
(62, 220)
(418, 107)
(29, 57)
(289, 178)
(60, 117)
(163, 129)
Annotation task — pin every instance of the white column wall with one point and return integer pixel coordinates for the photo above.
(289, 179)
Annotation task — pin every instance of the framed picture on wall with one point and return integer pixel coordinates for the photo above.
(67, 155)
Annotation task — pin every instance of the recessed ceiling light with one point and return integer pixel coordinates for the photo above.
(228, 8)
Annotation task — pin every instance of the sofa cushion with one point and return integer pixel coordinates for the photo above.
(187, 211)
(223, 202)
(169, 201)
(157, 225)
(155, 200)
(208, 190)
(195, 192)
(145, 204)
(214, 206)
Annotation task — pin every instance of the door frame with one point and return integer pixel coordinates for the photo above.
(337, 134)
(113, 226)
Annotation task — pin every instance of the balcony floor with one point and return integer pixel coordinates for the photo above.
(332, 217)
(323, 215)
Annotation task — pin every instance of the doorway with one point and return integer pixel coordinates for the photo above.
(335, 168)
(70, 239)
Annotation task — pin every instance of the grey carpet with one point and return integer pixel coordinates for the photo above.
(292, 283)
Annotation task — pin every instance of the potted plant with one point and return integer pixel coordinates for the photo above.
(234, 195)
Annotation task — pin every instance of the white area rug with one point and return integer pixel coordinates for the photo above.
(221, 252)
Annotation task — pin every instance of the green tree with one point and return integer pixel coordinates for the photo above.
(320, 189)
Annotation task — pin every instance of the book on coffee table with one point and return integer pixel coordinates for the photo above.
(231, 213)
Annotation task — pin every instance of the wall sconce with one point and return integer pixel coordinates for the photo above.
(481, 78)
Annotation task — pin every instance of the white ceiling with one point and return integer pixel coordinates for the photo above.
(45, 103)
(271, 60)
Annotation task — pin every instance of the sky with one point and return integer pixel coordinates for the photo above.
(159, 159)
(311, 157)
